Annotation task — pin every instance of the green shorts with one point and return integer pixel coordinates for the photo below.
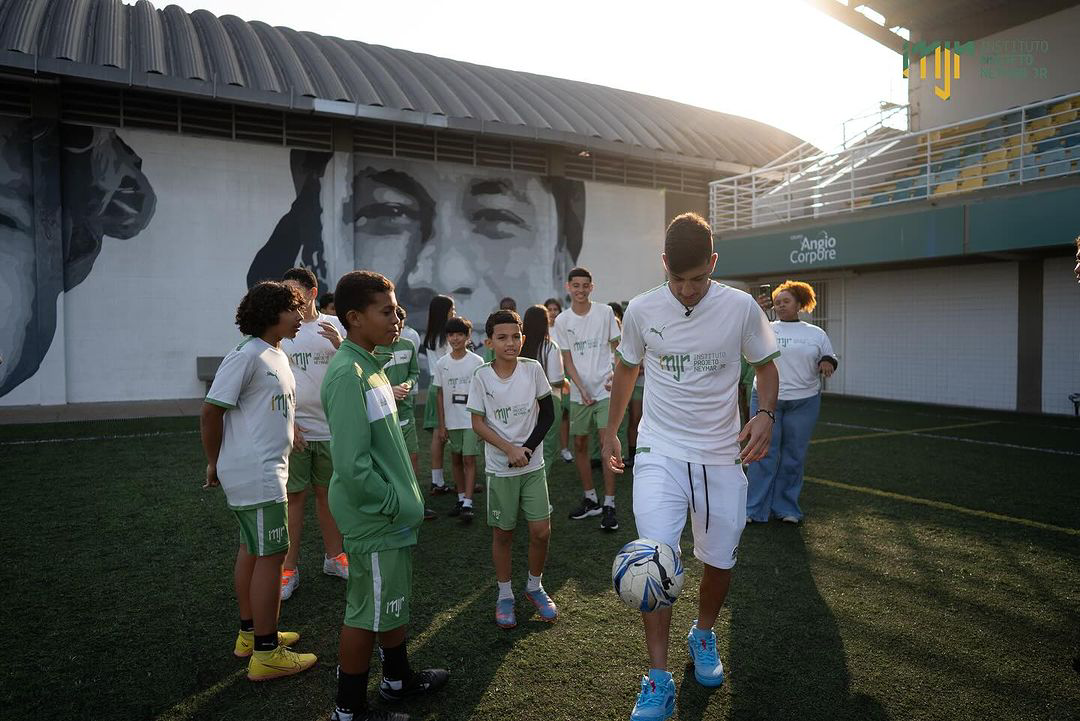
(583, 418)
(507, 494)
(638, 394)
(264, 530)
(408, 429)
(311, 465)
(464, 442)
(431, 412)
(378, 593)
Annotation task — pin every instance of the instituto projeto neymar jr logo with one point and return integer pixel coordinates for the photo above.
(945, 53)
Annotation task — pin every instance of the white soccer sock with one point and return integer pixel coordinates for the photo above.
(591, 494)
(436, 477)
(533, 583)
(505, 591)
(460, 497)
(609, 501)
(466, 502)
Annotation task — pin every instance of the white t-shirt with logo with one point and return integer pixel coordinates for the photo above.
(255, 384)
(309, 354)
(454, 376)
(802, 346)
(509, 407)
(587, 338)
(691, 410)
(553, 365)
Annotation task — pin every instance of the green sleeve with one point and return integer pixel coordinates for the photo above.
(414, 370)
(350, 445)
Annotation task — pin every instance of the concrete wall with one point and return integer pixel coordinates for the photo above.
(147, 276)
(973, 95)
(1061, 335)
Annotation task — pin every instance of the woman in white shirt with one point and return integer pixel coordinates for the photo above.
(805, 354)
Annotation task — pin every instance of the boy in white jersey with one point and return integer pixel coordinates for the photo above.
(510, 400)
(451, 381)
(587, 333)
(247, 431)
(309, 464)
(690, 333)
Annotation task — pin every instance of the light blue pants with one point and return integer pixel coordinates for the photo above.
(776, 480)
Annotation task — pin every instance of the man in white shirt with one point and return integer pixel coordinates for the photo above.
(587, 333)
(690, 333)
(309, 463)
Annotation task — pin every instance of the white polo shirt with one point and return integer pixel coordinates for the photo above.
(691, 409)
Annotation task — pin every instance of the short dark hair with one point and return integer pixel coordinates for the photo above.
(458, 324)
(357, 290)
(499, 317)
(688, 242)
(263, 304)
(508, 303)
(325, 300)
(303, 276)
(579, 272)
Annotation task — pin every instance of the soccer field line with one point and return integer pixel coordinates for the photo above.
(941, 505)
(887, 432)
(923, 434)
(73, 439)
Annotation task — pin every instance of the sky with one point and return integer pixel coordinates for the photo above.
(778, 61)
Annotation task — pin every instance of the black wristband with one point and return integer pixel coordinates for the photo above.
(770, 414)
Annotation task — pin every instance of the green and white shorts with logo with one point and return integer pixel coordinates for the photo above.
(585, 419)
(378, 593)
(506, 495)
(264, 529)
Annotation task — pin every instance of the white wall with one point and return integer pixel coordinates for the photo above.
(624, 237)
(974, 95)
(1061, 335)
(938, 335)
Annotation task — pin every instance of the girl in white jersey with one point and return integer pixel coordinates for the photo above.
(806, 354)
(440, 310)
(690, 334)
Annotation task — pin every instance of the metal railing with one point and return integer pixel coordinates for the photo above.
(1013, 147)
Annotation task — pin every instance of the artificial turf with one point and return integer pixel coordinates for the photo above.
(916, 588)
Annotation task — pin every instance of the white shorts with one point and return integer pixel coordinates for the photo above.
(666, 488)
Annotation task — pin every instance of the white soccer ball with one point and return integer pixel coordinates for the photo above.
(647, 575)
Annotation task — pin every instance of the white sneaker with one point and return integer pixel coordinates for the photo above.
(336, 566)
(789, 519)
(567, 455)
(289, 581)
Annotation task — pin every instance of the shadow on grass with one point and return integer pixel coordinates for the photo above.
(786, 658)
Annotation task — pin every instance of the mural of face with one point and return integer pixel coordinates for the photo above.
(475, 234)
(17, 250)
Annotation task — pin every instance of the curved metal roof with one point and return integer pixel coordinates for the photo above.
(228, 58)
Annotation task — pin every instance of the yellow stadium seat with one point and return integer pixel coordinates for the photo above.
(971, 183)
(1041, 134)
(1063, 117)
(949, 187)
(971, 171)
(994, 155)
(999, 166)
(1042, 122)
(1060, 107)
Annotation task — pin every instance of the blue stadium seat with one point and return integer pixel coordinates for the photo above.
(880, 198)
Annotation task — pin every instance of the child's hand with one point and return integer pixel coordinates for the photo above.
(519, 456)
(299, 443)
(211, 478)
(400, 391)
(330, 333)
(444, 435)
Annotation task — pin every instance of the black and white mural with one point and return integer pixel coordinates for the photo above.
(63, 190)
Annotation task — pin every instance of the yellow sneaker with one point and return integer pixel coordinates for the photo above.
(245, 641)
(282, 661)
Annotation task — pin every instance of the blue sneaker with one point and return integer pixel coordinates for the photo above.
(656, 701)
(707, 667)
(504, 613)
(545, 607)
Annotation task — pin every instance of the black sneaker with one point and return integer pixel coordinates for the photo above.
(369, 714)
(440, 490)
(456, 510)
(467, 514)
(587, 509)
(609, 522)
(423, 682)
(430, 514)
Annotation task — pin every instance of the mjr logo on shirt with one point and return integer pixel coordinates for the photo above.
(301, 360)
(675, 364)
(503, 415)
(580, 346)
(281, 402)
(679, 363)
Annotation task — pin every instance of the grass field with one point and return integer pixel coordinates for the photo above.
(937, 576)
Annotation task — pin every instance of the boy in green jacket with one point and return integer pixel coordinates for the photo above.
(375, 501)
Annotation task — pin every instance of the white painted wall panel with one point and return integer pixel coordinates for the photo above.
(1061, 335)
(624, 237)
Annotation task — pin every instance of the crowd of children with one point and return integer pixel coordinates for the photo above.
(319, 398)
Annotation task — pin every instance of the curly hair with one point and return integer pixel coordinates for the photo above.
(802, 292)
(263, 304)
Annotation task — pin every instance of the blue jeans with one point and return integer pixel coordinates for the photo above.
(776, 480)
